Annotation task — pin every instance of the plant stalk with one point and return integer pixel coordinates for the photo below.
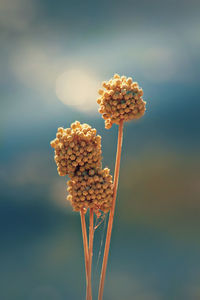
(91, 238)
(86, 254)
(112, 210)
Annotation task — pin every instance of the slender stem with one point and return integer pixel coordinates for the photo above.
(91, 238)
(112, 210)
(85, 246)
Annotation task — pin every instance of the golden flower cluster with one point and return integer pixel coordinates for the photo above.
(78, 154)
(93, 189)
(76, 147)
(121, 100)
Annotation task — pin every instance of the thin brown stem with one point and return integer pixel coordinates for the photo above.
(86, 253)
(112, 210)
(91, 238)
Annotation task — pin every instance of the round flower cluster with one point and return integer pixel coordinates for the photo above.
(93, 189)
(121, 100)
(76, 147)
(78, 154)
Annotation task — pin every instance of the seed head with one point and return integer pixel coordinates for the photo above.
(121, 100)
(76, 147)
(92, 189)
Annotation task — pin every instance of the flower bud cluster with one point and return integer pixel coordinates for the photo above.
(121, 99)
(76, 147)
(93, 189)
(78, 154)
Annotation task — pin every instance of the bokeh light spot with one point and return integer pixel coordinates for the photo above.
(77, 88)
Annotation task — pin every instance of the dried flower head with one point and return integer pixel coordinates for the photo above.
(91, 189)
(121, 99)
(77, 148)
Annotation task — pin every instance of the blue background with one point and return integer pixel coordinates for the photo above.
(155, 248)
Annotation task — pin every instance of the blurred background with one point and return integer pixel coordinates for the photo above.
(54, 55)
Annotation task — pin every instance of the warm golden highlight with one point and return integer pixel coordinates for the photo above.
(121, 99)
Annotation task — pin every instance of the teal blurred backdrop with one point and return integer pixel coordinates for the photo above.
(54, 55)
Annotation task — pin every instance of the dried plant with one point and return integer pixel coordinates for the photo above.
(78, 154)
